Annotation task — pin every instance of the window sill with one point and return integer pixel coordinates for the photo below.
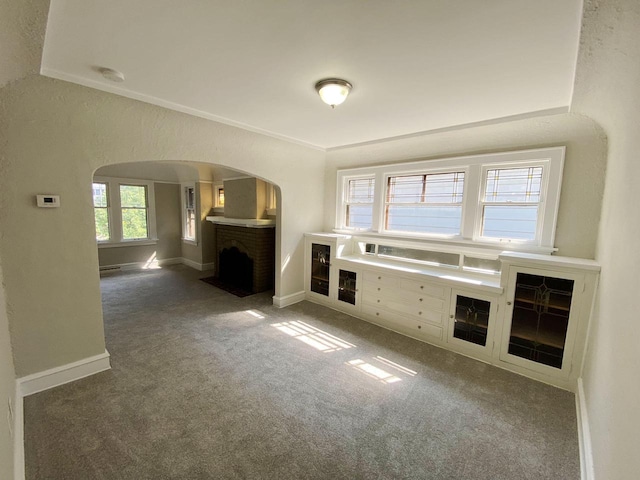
(128, 243)
(188, 241)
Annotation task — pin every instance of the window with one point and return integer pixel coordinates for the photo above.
(101, 211)
(218, 192)
(359, 203)
(124, 211)
(428, 203)
(189, 212)
(492, 199)
(510, 203)
(134, 205)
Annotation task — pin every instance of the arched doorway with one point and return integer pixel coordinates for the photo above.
(150, 214)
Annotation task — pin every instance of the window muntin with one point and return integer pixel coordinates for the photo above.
(359, 203)
(428, 203)
(101, 211)
(510, 203)
(189, 213)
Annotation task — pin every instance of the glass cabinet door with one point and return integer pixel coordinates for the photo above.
(540, 319)
(347, 286)
(320, 268)
(471, 320)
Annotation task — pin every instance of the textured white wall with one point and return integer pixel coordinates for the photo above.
(7, 389)
(607, 89)
(22, 27)
(582, 183)
(53, 136)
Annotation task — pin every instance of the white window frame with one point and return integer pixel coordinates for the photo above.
(183, 204)
(475, 168)
(115, 212)
(345, 195)
(216, 189)
(420, 173)
(107, 208)
(538, 238)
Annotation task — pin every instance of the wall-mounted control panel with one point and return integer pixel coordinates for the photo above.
(48, 201)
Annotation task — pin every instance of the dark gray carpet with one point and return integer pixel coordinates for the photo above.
(203, 385)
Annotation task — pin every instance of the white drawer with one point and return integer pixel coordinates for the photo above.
(371, 298)
(391, 320)
(418, 300)
(380, 279)
(425, 288)
(380, 289)
(419, 312)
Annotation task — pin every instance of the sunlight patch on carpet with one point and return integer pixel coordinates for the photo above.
(314, 337)
(397, 366)
(373, 371)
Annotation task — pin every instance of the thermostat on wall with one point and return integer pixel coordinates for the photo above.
(48, 201)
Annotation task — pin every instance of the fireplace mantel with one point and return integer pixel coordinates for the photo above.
(243, 222)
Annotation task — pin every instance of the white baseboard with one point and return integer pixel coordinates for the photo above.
(584, 435)
(64, 374)
(140, 265)
(198, 266)
(18, 435)
(287, 300)
(208, 266)
(158, 263)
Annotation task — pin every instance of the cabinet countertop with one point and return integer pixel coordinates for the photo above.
(453, 279)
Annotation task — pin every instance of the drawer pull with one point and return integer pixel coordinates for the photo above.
(377, 313)
(420, 299)
(419, 313)
(378, 288)
(450, 316)
(378, 300)
(421, 287)
(419, 327)
(379, 278)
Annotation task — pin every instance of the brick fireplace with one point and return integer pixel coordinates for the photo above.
(246, 256)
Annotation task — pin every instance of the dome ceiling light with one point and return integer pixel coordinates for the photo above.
(333, 91)
(111, 74)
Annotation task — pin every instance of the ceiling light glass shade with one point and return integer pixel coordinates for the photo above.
(333, 91)
(111, 74)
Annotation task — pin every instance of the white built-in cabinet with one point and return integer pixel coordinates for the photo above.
(533, 319)
(547, 304)
(472, 322)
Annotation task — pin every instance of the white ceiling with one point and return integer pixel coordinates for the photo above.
(415, 65)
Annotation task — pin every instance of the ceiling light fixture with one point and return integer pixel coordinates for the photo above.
(333, 91)
(111, 74)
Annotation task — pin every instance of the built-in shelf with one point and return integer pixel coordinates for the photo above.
(554, 306)
(550, 338)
